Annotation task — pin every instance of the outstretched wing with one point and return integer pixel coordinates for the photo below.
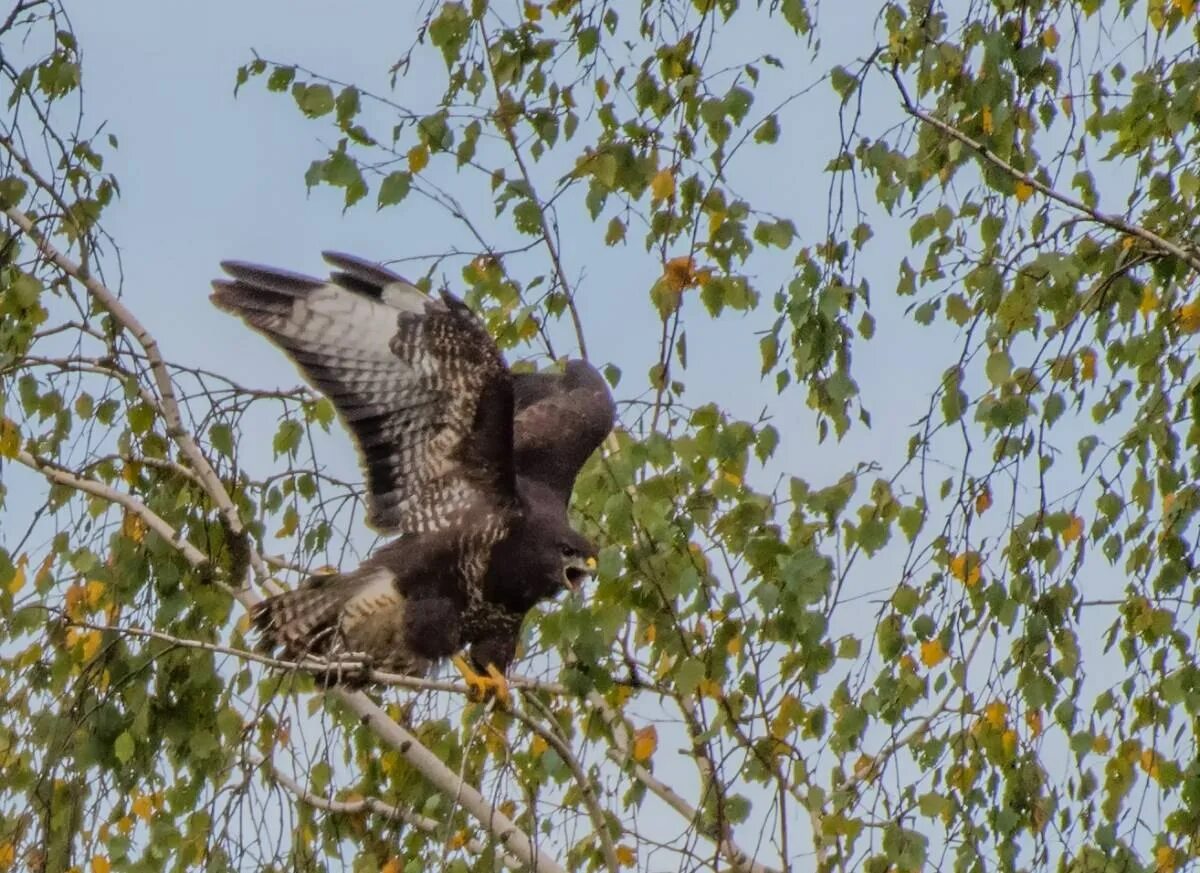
(560, 420)
(418, 382)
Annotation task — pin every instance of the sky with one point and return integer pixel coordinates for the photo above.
(206, 176)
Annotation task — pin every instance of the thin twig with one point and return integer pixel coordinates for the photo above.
(1115, 222)
(162, 378)
(599, 819)
(372, 804)
(151, 519)
(622, 753)
(505, 128)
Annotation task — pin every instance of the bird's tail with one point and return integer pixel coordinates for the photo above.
(304, 621)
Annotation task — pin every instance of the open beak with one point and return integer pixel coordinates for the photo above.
(576, 574)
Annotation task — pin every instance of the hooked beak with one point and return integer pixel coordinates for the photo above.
(576, 573)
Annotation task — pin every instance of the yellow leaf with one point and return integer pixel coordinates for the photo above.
(1023, 191)
(133, 528)
(679, 273)
(533, 12)
(17, 582)
(1008, 742)
(864, 767)
(645, 742)
(94, 593)
(8, 854)
(1149, 301)
(124, 825)
(932, 652)
(508, 808)
(662, 186)
(985, 121)
(1189, 317)
(1087, 367)
(983, 501)
(996, 714)
(907, 664)
(626, 857)
(715, 221)
(393, 865)
(709, 688)
(538, 746)
(1185, 7)
(965, 567)
(100, 864)
(1073, 531)
(459, 839)
(74, 601)
(601, 87)
(960, 777)
(91, 644)
(1068, 105)
(1033, 718)
(1050, 37)
(142, 807)
(732, 478)
(10, 438)
(418, 158)
(291, 520)
(1164, 859)
(1149, 763)
(649, 633)
(734, 645)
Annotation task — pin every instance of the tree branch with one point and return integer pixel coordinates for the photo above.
(152, 520)
(510, 837)
(599, 819)
(1115, 222)
(622, 753)
(371, 804)
(162, 378)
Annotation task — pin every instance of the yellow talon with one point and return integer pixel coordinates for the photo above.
(493, 684)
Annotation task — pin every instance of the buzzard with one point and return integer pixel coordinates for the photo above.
(470, 465)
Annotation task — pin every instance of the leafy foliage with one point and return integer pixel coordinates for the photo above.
(972, 649)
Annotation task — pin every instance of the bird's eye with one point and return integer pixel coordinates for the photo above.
(567, 551)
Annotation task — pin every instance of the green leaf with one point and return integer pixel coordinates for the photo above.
(221, 437)
(313, 100)
(768, 130)
(999, 367)
(287, 437)
(394, 188)
(281, 78)
(124, 747)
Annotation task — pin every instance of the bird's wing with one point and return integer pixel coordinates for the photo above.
(418, 382)
(560, 420)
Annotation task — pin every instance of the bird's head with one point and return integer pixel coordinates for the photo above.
(578, 560)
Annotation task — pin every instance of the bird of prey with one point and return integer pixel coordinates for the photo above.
(470, 465)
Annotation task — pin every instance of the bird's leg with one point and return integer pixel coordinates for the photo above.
(483, 685)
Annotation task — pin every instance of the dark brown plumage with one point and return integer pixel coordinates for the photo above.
(470, 465)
